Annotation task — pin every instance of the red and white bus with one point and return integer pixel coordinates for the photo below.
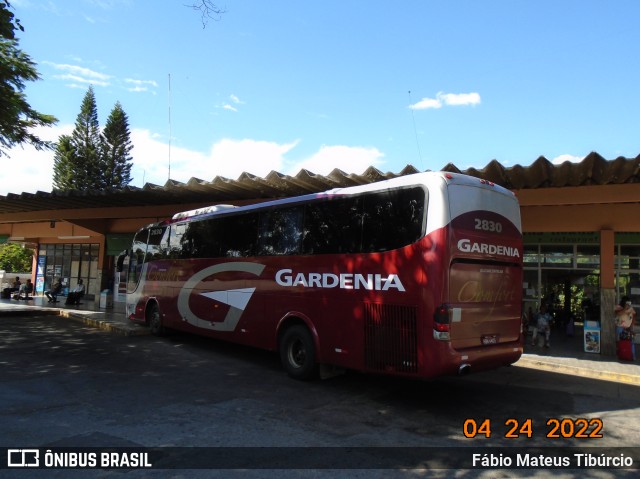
(418, 276)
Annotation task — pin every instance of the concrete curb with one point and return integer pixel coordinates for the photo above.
(577, 371)
(106, 325)
(30, 312)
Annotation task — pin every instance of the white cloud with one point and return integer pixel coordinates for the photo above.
(140, 85)
(152, 83)
(31, 170)
(79, 79)
(235, 100)
(449, 99)
(80, 76)
(228, 158)
(87, 74)
(455, 99)
(351, 159)
(426, 104)
(566, 157)
(108, 4)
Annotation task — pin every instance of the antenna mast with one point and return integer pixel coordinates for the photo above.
(169, 175)
(415, 130)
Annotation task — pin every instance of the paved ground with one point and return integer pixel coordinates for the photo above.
(65, 383)
(566, 355)
(68, 384)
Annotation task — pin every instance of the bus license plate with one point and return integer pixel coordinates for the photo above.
(486, 340)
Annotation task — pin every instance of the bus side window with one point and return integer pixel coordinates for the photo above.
(333, 226)
(226, 236)
(190, 244)
(280, 231)
(393, 219)
(175, 241)
(136, 259)
(139, 250)
(202, 239)
(158, 243)
(238, 235)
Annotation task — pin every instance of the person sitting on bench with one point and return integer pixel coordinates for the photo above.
(52, 294)
(25, 290)
(76, 294)
(14, 288)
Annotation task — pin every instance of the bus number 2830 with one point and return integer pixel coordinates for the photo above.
(488, 225)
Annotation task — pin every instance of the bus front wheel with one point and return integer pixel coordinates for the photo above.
(155, 321)
(298, 353)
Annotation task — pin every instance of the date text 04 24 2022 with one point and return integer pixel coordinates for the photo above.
(580, 428)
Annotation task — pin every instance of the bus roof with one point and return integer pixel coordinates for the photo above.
(201, 211)
(429, 179)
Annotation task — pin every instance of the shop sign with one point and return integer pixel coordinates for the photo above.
(561, 238)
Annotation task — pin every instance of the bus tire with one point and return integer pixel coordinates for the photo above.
(298, 353)
(155, 321)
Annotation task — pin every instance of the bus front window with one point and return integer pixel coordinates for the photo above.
(136, 260)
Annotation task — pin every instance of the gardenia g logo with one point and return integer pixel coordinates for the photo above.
(237, 299)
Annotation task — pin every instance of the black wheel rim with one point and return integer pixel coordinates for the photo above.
(297, 354)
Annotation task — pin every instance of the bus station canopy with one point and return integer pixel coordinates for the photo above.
(592, 170)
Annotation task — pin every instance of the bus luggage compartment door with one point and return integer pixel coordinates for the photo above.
(484, 304)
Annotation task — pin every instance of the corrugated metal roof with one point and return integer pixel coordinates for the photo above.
(592, 170)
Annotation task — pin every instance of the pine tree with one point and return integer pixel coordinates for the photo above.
(86, 143)
(76, 164)
(116, 149)
(90, 160)
(64, 163)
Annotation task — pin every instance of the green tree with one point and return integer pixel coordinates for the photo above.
(63, 164)
(86, 143)
(77, 163)
(15, 258)
(116, 149)
(17, 117)
(90, 160)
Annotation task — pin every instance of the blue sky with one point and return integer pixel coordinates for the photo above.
(284, 85)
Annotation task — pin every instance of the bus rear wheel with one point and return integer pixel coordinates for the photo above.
(155, 321)
(298, 353)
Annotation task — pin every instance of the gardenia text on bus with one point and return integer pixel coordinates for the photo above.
(468, 246)
(372, 282)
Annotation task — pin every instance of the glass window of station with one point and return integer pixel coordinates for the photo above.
(69, 262)
(627, 263)
(563, 271)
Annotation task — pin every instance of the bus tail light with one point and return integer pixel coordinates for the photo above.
(441, 323)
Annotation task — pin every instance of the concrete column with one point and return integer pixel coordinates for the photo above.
(607, 293)
(607, 323)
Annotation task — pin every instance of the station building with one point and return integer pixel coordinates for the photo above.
(581, 224)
